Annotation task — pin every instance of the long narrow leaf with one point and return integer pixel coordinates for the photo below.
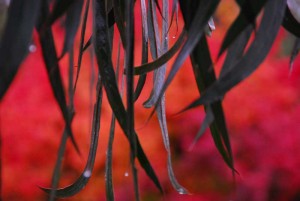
(81, 44)
(290, 23)
(109, 81)
(242, 21)
(52, 66)
(205, 77)
(253, 57)
(16, 38)
(71, 25)
(164, 58)
(83, 179)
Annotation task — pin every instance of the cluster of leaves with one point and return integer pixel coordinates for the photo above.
(243, 58)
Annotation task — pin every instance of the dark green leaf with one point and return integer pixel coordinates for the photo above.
(16, 38)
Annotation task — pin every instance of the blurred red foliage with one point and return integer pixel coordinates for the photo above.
(263, 118)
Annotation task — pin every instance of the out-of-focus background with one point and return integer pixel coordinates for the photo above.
(262, 114)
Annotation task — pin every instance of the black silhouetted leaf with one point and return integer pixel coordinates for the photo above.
(83, 179)
(71, 25)
(242, 21)
(142, 78)
(81, 43)
(62, 146)
(196, 30)
(60, 8)
(101, 46)
(52, 66)
(16, 38)
(290, 23)
(205, 77)
(236, 50)
(256, 53)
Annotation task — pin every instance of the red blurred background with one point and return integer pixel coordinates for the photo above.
(262, 113)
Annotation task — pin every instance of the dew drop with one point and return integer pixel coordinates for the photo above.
(126, 174)
(173, 36)
(182, 191)
(32, 48)
(87, 173)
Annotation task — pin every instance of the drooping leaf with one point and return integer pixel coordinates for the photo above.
(205, 77)
(60, 7)
(142, 78)
(256, 53)
(164, 58)
(119, 19)
(83, 179)
(242, 21)
(290, 23)
(52, 67)
(195, 31)
(129, 58)
(71, 24)
(101, 46)
(108, 163)
(236, 50)
(81, 43)
(62, 146)
(16, 38)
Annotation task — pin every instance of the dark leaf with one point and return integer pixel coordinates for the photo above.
(81, 182)
(81, 44)
(60, 8)
(196, 30)
(253, 57)
(142, 78)
(52, 66)
(242, 21)
(290, 23)
(236, 50)
(16, 38)
(100, 37)
(205, 77)
(129, 58)
(164, 58)
(62, 146)
(71, 25)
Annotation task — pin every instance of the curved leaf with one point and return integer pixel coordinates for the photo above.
(83, 179)
(164, 58)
